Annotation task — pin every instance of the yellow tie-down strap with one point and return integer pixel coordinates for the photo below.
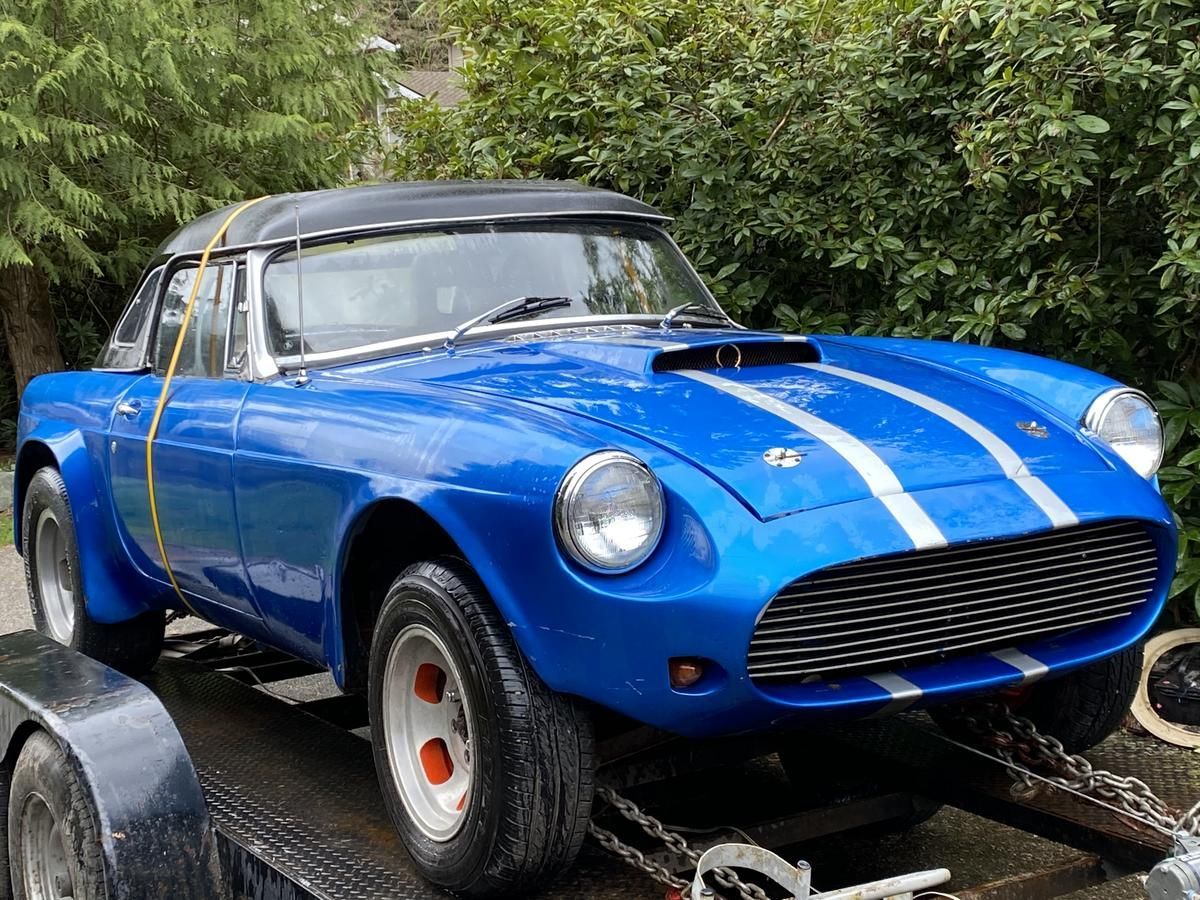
(166, 388)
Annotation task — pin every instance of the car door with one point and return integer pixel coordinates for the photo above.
(193, 450)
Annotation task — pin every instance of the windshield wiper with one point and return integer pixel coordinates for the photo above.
(517, 308)
(698, 310)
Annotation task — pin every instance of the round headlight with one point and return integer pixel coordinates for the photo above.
(1128, 422)
(609, 511)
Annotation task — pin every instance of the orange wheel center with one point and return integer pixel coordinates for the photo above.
(436, 761)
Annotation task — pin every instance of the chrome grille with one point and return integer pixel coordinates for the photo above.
(888, 613)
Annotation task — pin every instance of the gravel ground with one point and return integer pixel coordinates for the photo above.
(14, 603)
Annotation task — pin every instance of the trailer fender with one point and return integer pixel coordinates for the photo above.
(156, 837)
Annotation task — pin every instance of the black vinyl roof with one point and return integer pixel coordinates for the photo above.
(373, 206)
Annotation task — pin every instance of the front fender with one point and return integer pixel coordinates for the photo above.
(110, 585)
(509, 540)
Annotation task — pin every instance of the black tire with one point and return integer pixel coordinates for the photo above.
(1081, 708)
(530, 798)
(43, 783)
(132, 646)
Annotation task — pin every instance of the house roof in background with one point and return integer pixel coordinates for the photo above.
(442, 86)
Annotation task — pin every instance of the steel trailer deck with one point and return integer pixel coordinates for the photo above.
(296, 811)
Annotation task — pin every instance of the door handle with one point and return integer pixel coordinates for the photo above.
(129, 410)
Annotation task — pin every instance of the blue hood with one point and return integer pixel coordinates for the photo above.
(723, 420)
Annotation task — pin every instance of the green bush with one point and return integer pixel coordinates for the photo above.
(1018, 172)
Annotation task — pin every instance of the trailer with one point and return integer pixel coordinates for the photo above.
(204, 785)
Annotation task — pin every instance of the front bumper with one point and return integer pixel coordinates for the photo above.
(609, 640)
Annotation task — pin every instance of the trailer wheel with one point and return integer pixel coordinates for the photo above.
(53, 847)
(486, 772)
(55, 593)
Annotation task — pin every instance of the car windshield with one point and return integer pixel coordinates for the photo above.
(381, 289)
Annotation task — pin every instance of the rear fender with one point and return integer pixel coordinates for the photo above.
(112, 587)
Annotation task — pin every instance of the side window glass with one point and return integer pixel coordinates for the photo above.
(203, 351)
(237, 326)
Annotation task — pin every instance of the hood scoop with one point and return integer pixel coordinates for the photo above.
(736, 355)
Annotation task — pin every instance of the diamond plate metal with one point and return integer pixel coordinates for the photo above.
(908, 750)
(301, 795)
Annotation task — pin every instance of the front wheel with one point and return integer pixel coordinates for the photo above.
(486, 772)
(1080, 708)
(52, 575)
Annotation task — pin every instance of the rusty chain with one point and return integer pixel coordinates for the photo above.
(673, 841)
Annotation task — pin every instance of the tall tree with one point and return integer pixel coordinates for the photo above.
(120, 118)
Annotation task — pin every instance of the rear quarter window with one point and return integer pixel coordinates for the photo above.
(126, 348)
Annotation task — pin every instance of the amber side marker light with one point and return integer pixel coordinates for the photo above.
(684, 671)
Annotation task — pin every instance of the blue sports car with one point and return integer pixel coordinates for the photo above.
(493, 455)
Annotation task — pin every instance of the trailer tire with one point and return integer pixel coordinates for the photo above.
(52, 575)
(52, 833)
(518, 756)
(1081, 708)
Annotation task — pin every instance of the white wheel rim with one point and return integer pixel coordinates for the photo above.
(426, 722)
(54, 577)
(44, 868)
(1143, 710)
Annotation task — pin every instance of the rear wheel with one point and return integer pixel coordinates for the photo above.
(56, 598)
(486, 772)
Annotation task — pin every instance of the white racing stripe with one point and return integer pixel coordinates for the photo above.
(1031, 669)
(1039, 492)
(880, 479)
(1059, 514)
(904, 693)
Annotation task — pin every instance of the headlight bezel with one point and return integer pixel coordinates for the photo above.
(569, 490)
(1093, 421)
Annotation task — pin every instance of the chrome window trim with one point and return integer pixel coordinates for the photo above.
(266, 366)
(262, 365)
(230, 368)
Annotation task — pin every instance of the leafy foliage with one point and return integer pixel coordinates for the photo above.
(1021, 172)
(117, 114)
(417, 33)
(120, 119)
